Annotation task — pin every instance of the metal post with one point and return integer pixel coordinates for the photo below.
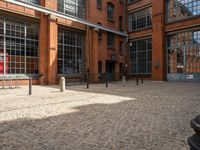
(137, 79)
(3, 84)
(106, 81)
(87, 81)
(142, 80)
(30, 86)
(87, 77)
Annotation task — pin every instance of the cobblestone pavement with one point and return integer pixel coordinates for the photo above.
(153, 116)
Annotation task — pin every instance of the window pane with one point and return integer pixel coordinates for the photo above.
(19, 49)
(70, 52)
(72, 7)
(180, 9)
(140, 19)
(141, 56)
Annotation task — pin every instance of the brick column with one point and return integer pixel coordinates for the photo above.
(43, 61)
(48, 44)
(158, 40)
(94, 56)
(52, 50)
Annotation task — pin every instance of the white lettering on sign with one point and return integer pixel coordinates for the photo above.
(190, 76)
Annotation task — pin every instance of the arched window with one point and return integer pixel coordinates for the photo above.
(110, 11)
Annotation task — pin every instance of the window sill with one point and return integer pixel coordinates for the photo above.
(111, 20)
(150, 27)
(99, 8)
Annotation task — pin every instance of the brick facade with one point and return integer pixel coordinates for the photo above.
(95, 50)
(158, 32)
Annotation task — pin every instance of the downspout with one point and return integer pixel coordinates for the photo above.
(125, 39)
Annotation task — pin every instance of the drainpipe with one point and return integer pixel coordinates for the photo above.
(125, 39)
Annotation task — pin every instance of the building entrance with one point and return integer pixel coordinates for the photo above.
(110, 67)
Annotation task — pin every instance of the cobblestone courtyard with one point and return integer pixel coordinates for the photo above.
(153, 116)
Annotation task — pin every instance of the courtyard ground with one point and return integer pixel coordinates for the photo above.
(152, 116)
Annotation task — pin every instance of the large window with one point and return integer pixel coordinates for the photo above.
(18, 47)
(184, 52)
(70, 52)
(72, 7)
(110, 11)
(179, 9)
(110, 40)
(31, 1)
(141, 56)
(140, 19)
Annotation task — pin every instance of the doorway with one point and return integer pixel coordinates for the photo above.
(110, 68)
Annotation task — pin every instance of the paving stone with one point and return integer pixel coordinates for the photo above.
(153, 116)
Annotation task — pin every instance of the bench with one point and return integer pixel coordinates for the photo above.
(10, 78)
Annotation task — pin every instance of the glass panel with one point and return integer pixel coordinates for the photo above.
(72, 7)
(70, 52)
(179, 9)
(141, 56)
(184, 52)
(140, 19)
(21, 52)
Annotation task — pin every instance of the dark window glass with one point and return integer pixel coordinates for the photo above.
(110, 11)
(70, 52)
(99, 4)
(141, 56)
(110, 40)
(140, 19)
(72, 7)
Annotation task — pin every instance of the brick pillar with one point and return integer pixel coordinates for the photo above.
(94, 56)
(43, 38)
(52, 50)
(158, 40)
(48, 44)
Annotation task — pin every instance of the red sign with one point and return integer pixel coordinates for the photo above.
(2, 63)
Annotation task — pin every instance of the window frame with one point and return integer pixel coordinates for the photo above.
(110, 11)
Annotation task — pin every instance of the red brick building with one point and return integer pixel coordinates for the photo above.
(164, 39)
(47, 39)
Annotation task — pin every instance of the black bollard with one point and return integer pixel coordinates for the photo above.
(142, 79)
(88, 85)
(87, 78)
(194, 141)
(30, 86)
(106, 81)
(137, 80)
